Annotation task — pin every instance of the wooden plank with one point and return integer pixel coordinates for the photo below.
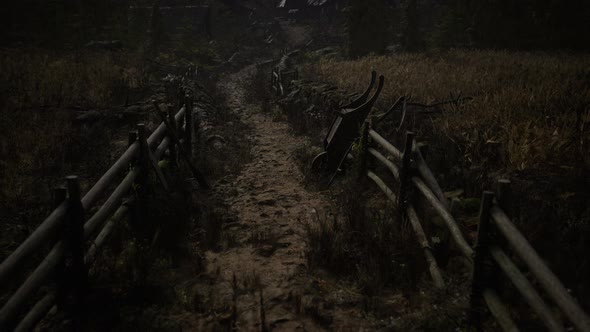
(92, 196)
(385, 144)
(158, 170)
(504, 196)
(36, 314)
(160, 132)
(390, 165)
(405, 173)
(361, 163)
(386, 190)
(120, 166)
(499, 311)
(111, 204)
(429, 178)
(188, 127)
(482, 268)
(542, 273)
(418, 230)
(40, 236)
(104, 233)
(35, 280)
(175, 139)
(53, 222)
(456, 234)
(527, 290)
(162, 148)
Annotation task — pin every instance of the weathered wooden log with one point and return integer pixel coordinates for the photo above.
(433, 268)
(385, 144)
(175, 139)
(73, 277)
(405, 174)
(456, 234)
(499, 311)
(528, 292)
(542, 273)
(36, 314)
(40, 236)
(111, 204)
(482, 266)
(429, 178)
(49, 227)
(162, 148)
(100, 240)
(361, 163)
(390, 165)
(35, 280)
(188, 129)
(381, 184)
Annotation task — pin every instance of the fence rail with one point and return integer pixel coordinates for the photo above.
(281, 80)
(74, 240)
(411, 173)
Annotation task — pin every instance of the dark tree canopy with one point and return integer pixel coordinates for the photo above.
(368, 27)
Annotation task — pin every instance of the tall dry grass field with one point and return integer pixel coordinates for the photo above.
(41, 94)
(536, 106)
(528, 119)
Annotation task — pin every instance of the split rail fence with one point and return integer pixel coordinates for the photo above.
(74, 240)
(412, 174)
(280, 80)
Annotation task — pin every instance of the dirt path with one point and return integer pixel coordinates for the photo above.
(266, 253)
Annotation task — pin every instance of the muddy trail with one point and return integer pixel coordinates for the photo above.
(260, 280)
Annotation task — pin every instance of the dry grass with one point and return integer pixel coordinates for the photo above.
(371, 249)
(535, 106)
(37, 77)
(42, 92)
(528, 120)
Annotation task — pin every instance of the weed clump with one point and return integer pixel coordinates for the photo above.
(372, 249)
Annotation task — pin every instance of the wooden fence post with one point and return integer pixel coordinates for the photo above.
(423, 148)
(143, 160)
(188, 129)
(504, 196)
(482, 261)
(172, 147)
(142, 182)
(74, 278)
(405, 175)
(59, 195)
(273, 81)
(130, 140)
(281, 89)
(362, 152)
(181, 97)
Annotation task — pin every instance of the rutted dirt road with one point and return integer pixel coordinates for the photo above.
(267, 258)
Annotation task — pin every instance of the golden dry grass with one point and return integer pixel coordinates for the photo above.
(534, 106)
(39, 89)
(36, 77)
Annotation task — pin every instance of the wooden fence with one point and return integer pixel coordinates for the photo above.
(74, 240)
(281, 80)
(486, 257)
